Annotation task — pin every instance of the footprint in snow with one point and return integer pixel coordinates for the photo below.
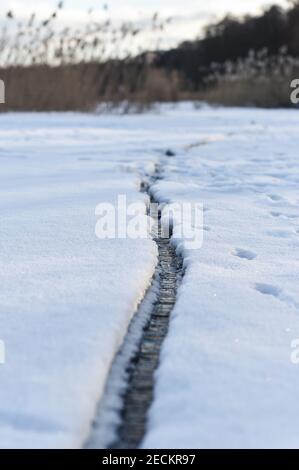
(275, 214)
(268, 289)
(280, 233)
(278, 293)
(274, 197)
(285, 216)
(244, 254)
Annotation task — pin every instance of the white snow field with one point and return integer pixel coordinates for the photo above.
(66, 298)
(226, 379)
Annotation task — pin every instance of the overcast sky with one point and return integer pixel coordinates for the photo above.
(189, 15)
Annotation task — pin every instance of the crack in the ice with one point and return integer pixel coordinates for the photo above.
(124, 407)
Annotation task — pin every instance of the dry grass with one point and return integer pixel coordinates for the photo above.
(259, 80)
(265, 92)
(50, 69)
(82, 87)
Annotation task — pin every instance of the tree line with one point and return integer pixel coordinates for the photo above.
(233, 38)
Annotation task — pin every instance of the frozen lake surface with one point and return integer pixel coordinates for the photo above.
(225, 377)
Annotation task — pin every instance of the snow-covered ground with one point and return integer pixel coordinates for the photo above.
(226, 378)
(66, 297)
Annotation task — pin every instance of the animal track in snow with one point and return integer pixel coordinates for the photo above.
(280, 233)
(281, 214)
(275, 197)
(277, 292)
(244, 254)
(268, 289)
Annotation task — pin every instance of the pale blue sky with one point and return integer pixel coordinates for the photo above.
(189, 15)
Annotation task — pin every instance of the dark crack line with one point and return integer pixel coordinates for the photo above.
(137, 394)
